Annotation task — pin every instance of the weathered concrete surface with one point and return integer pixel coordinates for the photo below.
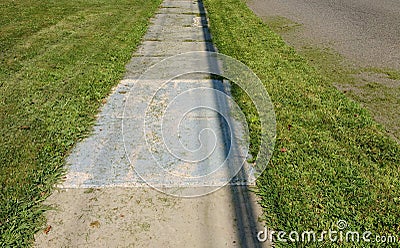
(143, 217)
(105, 203)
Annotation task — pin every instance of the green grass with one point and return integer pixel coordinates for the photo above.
(338, 165)
(377, 89)
(58, 60)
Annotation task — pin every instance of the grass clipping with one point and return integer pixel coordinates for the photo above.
(332, 161)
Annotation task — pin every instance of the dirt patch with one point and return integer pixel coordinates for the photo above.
(376, 88)
(380, 78)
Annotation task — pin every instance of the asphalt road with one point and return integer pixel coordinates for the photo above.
(365, 31)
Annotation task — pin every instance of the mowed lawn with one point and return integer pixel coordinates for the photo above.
(58, 61)
(332, 162)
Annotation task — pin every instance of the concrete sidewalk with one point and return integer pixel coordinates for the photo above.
(114, 194)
